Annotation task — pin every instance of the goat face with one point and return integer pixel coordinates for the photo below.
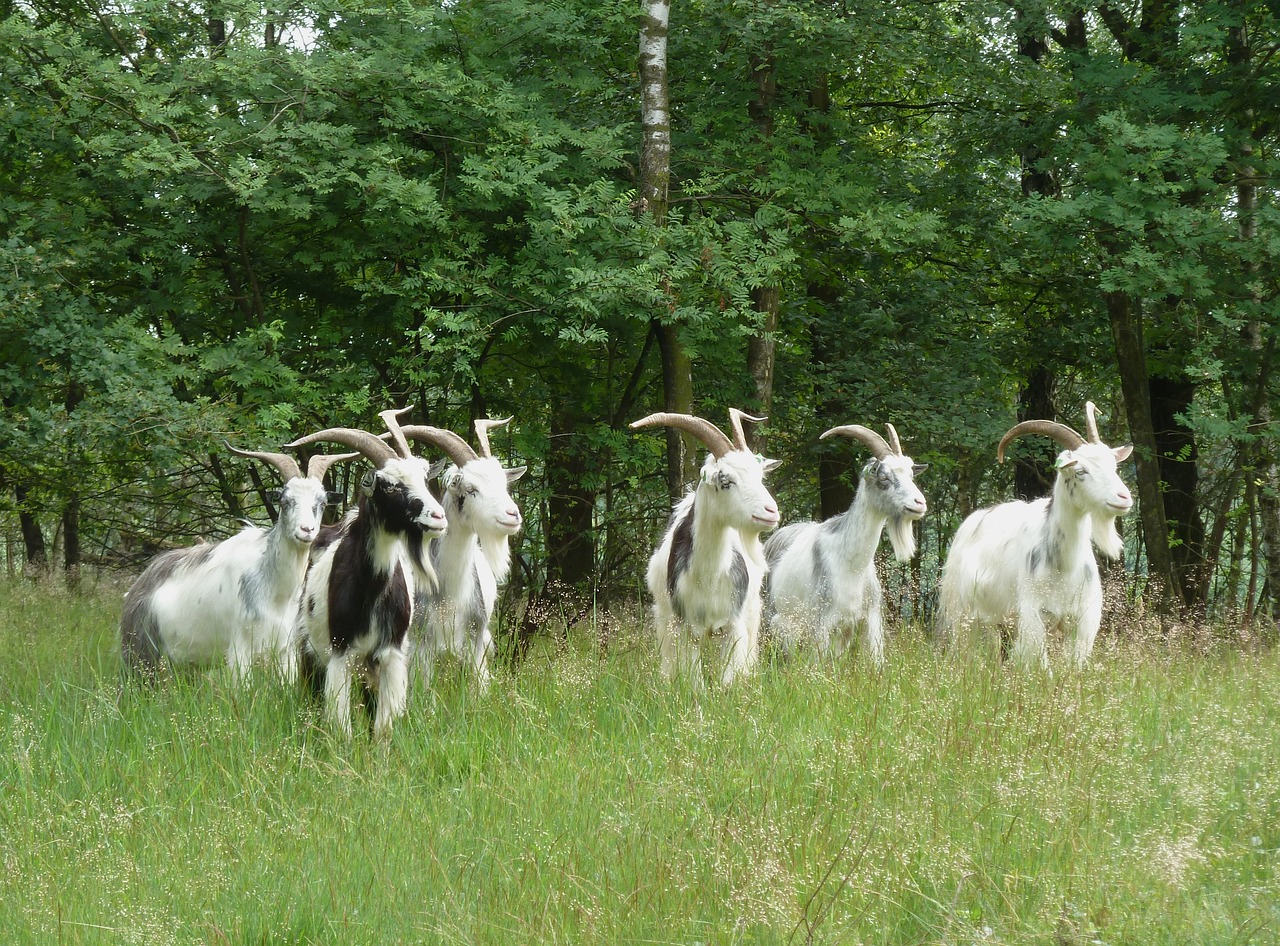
(1090, 479)
(734, 487)
(399, 495)
(476, 496)
(890, 487)
(302, 503)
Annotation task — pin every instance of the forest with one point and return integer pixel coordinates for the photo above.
(228, 222)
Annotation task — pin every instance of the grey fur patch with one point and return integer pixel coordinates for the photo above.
(740, 578)
(679, 558)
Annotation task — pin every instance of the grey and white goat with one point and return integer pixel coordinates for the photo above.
(474, 558)
(1032, 564)
(706, 573)
(235, 599)
(822, 575)
(357, 602)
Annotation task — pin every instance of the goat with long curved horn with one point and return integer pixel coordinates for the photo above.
(706, 573)
(357, 603)
(823, 586)
(1032, 565)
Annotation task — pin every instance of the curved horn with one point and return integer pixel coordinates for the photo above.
(736, 417)
(284, 464)
(397, 435)
(373, 449)
(712, 437)
(1051, 429)
(1091, 422)
(455, 448)
(864, 435)
(319, 463)
(894, 442)
(482, 433)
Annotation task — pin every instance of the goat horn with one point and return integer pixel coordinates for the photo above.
(284, 464)
(482, 432)
(319, 463)
(712, 437)
(1051, 429)
(894, 442)
(373, 449)
(1091, 422)
(457, 449)
(397, 435)
(864, 435)
(736, 417)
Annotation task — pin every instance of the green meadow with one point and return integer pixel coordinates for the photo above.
(583, 800)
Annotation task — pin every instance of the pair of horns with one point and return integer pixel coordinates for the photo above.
(870, 439)
(712, 437)
(379, 452)
(1063, 434)
(288, 467)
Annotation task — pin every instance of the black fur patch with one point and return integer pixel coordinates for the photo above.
(680, 556)
(740, 578)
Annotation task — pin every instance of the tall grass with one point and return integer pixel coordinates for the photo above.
(582, 800)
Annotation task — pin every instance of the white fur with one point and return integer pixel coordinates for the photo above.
(730, 508)
(828, 604)
(240, 601)
(471, 562)
(1032, 564)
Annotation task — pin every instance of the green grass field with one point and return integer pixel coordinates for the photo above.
(581, 800)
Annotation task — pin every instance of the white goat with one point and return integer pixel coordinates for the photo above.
(357, 602)
(705, 575)
(822, 576)
(231, 600)
(474, 557)
(1032, 563)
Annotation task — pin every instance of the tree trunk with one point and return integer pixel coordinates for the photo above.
(1126, 330)
(1179, 472)
(762, 347)
(32, 536)
(655, 177)
(1033, 470)
(571, 551)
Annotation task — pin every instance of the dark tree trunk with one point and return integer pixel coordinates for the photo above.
(32, 536)
(571, 552)
(1180, 473)
(1131, 356)
(837, 465)
(1033, 471)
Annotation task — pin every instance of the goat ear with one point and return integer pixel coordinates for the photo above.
(768, 466)
(515, 473)
(435, 469)
(366, 483)
(334, 497)
(1122, 453)
(918, 468)
(1066, 459)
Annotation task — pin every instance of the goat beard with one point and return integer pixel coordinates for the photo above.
(415, 541)
(902, 537)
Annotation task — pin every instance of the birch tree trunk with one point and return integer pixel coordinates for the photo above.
(655, 176)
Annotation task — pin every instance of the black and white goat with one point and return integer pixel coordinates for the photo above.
(822, 576)
(706, 573)
(235, 599)
(1032, 563)
(474, 558)
(357, 602)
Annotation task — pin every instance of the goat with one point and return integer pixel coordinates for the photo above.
(233, 599)
(474, 557)
(357, 601)
(822, 576)
(1033, 563)
(705, 575)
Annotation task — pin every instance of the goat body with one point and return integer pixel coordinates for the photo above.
(357, 600)
(1032, 564)
(705, 576)
(822, 576)
(232, 600)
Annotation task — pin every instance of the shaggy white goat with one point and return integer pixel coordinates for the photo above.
(357, 602)
(822, 576)
(1032, 563)
(706, 573)
(231, 600)
(474, 557)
